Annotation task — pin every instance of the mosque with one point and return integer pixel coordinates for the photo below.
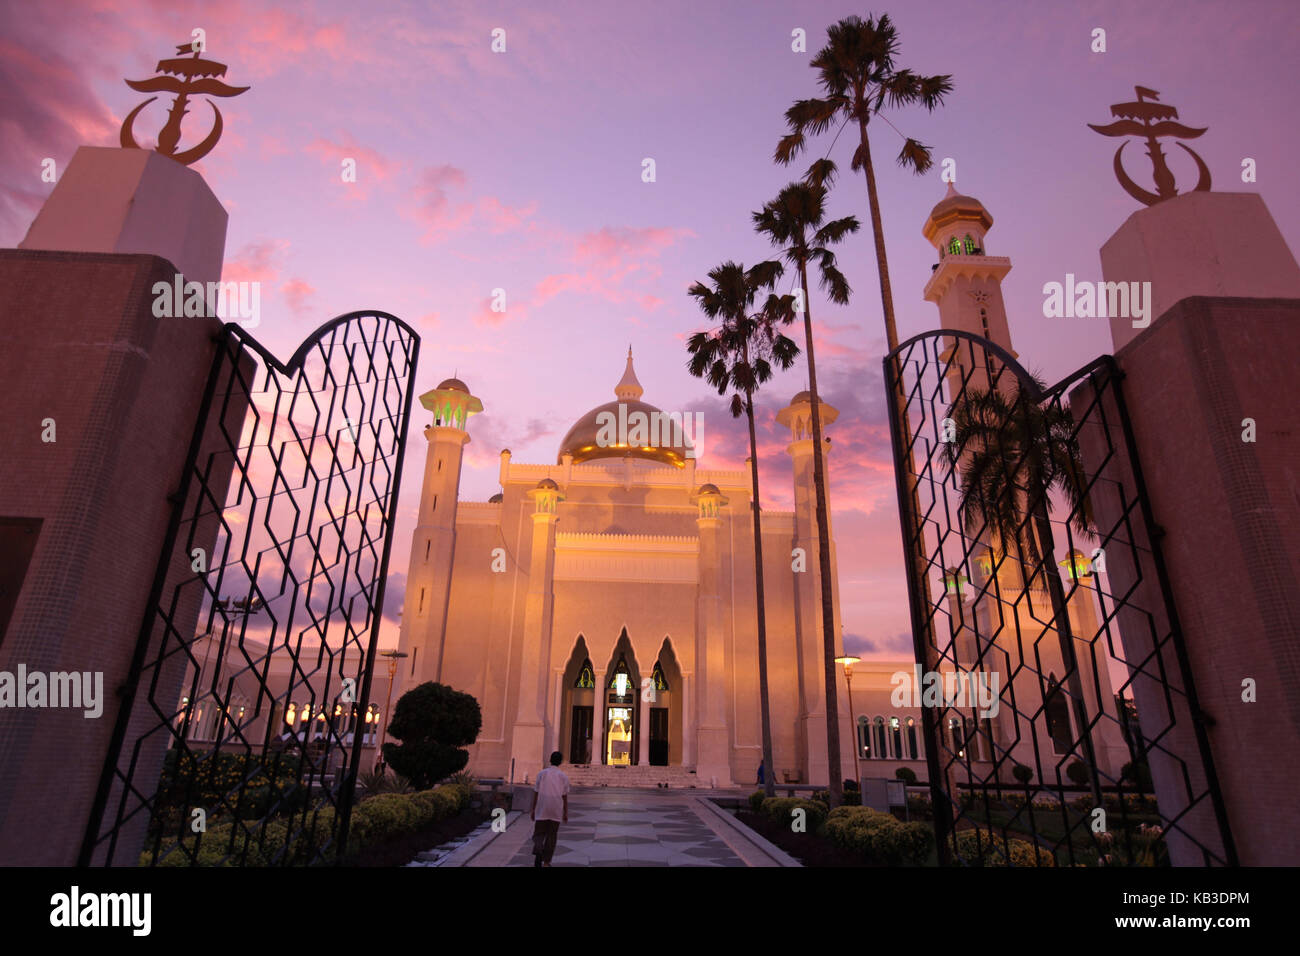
(603, 605)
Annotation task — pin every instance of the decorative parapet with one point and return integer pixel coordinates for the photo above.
(654, 559)
(626, 542)
(953, 266)
(616, 472)
(478, 512)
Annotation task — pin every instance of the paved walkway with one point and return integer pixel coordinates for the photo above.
(616, 827)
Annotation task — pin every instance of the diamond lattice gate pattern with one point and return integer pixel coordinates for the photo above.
(1060, 716)
(242, 724)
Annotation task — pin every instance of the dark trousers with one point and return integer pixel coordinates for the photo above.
(545, 833)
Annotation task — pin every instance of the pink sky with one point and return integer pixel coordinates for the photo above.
(522, 171)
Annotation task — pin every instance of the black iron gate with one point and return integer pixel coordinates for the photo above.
(1060, 718)
(248, 702)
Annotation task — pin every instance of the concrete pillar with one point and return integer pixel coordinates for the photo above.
(713, 759)
(527, 745)
(86, 513)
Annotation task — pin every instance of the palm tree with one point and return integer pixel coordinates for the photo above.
(793, 222)
(1013, 449)
(736, 355)
(857, 73)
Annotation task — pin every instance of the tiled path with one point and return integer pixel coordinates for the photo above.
(615, 827)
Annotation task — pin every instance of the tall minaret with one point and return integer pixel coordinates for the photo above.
(428, 577)
(967, 283)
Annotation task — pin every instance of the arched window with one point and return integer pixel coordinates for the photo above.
(958, 736)
(586, 677)
(236, 716)
(1057, 712)
(971, 248)
(864, 738)
(984, 322)
(955, 246)
(660, 682)
(878, 738)
(896, 738)
(912, 752)
(619, 686)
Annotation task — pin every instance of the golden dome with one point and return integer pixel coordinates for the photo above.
(583, 440)
(603, 431)
(955, 207)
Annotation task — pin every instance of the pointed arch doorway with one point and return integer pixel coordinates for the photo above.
(618, 723)
(578, 714)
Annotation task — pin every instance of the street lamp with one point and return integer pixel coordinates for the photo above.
(393, 658)
(848, 661)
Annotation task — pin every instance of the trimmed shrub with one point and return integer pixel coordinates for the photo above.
(780, 810)
(433, 722)
(1138, 775)
(270, 784)
(970, 846)
(1022, 773)
(383, 817)
(907, 775)
(1078, 773)
(756, 801)
(880, 836)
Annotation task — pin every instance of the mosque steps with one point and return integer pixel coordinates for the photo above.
(588, 775)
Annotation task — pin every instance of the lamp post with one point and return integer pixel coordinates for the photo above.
(848, 661)
(393, 658)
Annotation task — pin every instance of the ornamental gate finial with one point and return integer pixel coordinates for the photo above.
(186, 78)
(1156, 120)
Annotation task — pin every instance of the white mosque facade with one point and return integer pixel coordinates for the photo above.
(604, 605)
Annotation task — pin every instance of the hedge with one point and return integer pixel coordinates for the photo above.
(780, 810)
(880, 836)
(971, 845)
(374, 820)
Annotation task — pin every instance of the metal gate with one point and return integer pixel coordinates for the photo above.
(243, 718)
(1060, 718)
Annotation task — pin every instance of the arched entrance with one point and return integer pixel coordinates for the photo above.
(620, 727)
(578, 736)
(663, 703)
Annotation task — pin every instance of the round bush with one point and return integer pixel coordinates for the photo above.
(1022, 773)
(780, 810)
(907, 775)
(1078, 774)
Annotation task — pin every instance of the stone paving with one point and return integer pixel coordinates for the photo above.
(609, 827)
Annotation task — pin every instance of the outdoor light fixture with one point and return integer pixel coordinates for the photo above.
(847, 662)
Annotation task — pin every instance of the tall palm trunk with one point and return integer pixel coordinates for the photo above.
(920, 570)
(878, 232)
(836, 787)
(769, 782)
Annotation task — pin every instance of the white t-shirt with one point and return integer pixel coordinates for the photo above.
(552, 787)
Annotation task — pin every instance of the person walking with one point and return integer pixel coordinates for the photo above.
(550, 809)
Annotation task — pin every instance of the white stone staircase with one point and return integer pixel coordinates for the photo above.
(598, 775)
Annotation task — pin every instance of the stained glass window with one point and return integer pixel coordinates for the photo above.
(661, 682)
(586, 677)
